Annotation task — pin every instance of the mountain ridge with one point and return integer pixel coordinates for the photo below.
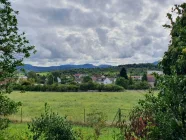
(29, 67)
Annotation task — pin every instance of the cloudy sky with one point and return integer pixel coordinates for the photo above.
(95, 31)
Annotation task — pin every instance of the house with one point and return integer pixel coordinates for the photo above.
(76, 76)
(136, 78)
(6, 81)
(151, 80)
(78, 80)
(151, 72)
(109, 81)
(94, 79)
(21, 78)
(104, 80)
(58, 80)
(79, 77)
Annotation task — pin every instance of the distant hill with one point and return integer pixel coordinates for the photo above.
(156, 62)
(29, 67)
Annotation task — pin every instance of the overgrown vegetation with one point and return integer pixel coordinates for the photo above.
(12, 45)
(51, 126)
(97, 120)
(164, 116)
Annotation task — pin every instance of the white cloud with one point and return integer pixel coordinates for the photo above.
(95, 31)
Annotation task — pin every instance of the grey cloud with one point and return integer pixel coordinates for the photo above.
(105, 31)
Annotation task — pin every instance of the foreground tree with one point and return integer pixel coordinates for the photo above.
(164, 116)
(13, 49)
(174, 60)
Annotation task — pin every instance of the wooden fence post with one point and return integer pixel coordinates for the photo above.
(84, 115)
(119, 114)
(21, 115)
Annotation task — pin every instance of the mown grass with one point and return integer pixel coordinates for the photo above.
(72, 104)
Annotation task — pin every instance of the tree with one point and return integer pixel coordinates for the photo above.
(174, 60)
(120, 81)
(144, 77)
(32, 75)
(14, 47)
(123, 73)
(50, 79)
(87, 79)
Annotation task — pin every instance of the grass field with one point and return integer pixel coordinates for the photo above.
(43, 73)
(21, 132)
(73, 104)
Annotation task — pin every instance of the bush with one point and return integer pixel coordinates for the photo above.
(120, 81)
(57, 88)
(139, 85)
(97, 120)
(111, 87)
(51, 127)
(88, 86)
(69, 88)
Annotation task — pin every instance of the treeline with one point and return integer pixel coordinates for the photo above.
(89, 86)
(70, 88)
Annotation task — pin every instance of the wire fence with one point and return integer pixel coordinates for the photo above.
(116, 117)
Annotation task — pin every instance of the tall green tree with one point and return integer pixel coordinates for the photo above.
(144, 77)
(174, 60)
(32, 75)
(87, 79)
(123, 73)
(50, 79)
(14, 47)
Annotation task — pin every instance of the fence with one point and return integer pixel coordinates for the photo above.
(116, 117)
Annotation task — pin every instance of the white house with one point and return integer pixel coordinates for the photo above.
(150, 72)
(109, 81)
(58, 80)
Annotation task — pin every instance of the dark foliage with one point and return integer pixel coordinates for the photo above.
(51, 126)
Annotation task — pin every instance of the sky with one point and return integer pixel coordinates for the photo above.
(97, 32)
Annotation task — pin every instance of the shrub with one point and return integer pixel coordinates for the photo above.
(139, 85)
(111, 87)
(51, 126)
(97, 120)
(88, 86)
(120, 81)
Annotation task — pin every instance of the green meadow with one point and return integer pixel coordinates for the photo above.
(21, 132)
(73, 104)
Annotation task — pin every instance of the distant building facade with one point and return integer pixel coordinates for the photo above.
(151, 78)
(136, 78)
